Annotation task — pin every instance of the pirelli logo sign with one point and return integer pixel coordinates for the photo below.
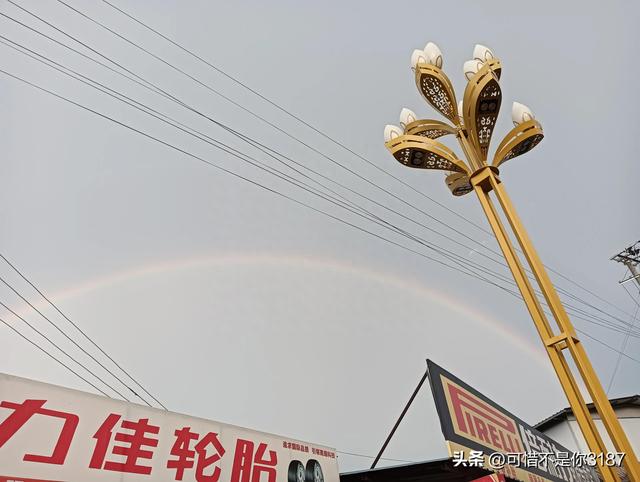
(476, 428)
(476, 420)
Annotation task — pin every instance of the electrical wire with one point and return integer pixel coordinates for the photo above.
(294, 116)
(623, 347)
(105, 394)
(254, 143)
(592, 338)
(625, 341)
(373, 457)
(62, 332)
(140, 106)
(454, 260)
(232, 173)
(171, 97)
(275, 191)
(606, 345)
(75, 325)
(262, 166)
(198, 134)
(298, 171)
(154, 87)
(217, 143)
(60, 349)
(631, 296)
(331, 139)
(8, 325)
(160, 91)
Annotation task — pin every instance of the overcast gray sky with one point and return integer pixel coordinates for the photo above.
(233, 304)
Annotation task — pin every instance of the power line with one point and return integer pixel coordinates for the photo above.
(161, 116)
(8, 325)
(395, 228)
(279, 193)
(201, 136)
(232, 173)
(142, 82)
(237, 153)
(207, 162)
(265, 149)
(163, 92)
(608, 346)
(154, 88)
(373, 457)
(78, 52)
(623, 347)
(75, 325)
(262, 166)
(630, 258)
(62, 332)
(631, 296)
(242, 156)
(292, 115)
(240, 106)
(392, 226)
(325, 135)
(60, 349)
(600, 342)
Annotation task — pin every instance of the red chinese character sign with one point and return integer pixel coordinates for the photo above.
(49, 433)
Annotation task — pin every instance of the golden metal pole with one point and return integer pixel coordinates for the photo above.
(468, 150)
(483, 181)
(473, 124)
(568, 336)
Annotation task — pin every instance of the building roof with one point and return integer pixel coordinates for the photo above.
(439, 470)
(633, 400)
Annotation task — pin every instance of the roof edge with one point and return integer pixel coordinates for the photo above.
(558, 417)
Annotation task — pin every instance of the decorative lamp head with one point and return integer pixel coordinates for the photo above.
(391, 132)
(482, 53)
(407, 116)
(520, 113)
(433, 55)
(471, 67)
(418, 57)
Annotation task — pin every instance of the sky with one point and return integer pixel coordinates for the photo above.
(229, 302)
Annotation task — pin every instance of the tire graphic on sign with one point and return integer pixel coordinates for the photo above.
(314, 471)
(296, 471)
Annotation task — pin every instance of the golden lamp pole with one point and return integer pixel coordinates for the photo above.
(472, 123)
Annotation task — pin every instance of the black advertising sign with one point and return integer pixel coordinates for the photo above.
(480, 432)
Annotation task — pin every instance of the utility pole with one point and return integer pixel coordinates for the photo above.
(630, 257)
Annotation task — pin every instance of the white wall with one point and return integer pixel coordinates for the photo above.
(568, 432)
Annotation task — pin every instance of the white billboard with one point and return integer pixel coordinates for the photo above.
(52, 434)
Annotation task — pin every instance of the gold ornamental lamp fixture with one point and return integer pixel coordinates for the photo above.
(472, 122)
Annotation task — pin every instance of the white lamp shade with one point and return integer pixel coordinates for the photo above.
(407, 117)
(418, 57)
(520, 113)
(433, 55)
(470, 68)
(391, 131)
(482, 53)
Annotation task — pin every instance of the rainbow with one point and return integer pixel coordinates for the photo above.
(497, 328)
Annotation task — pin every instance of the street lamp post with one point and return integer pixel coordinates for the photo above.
(472, 122)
